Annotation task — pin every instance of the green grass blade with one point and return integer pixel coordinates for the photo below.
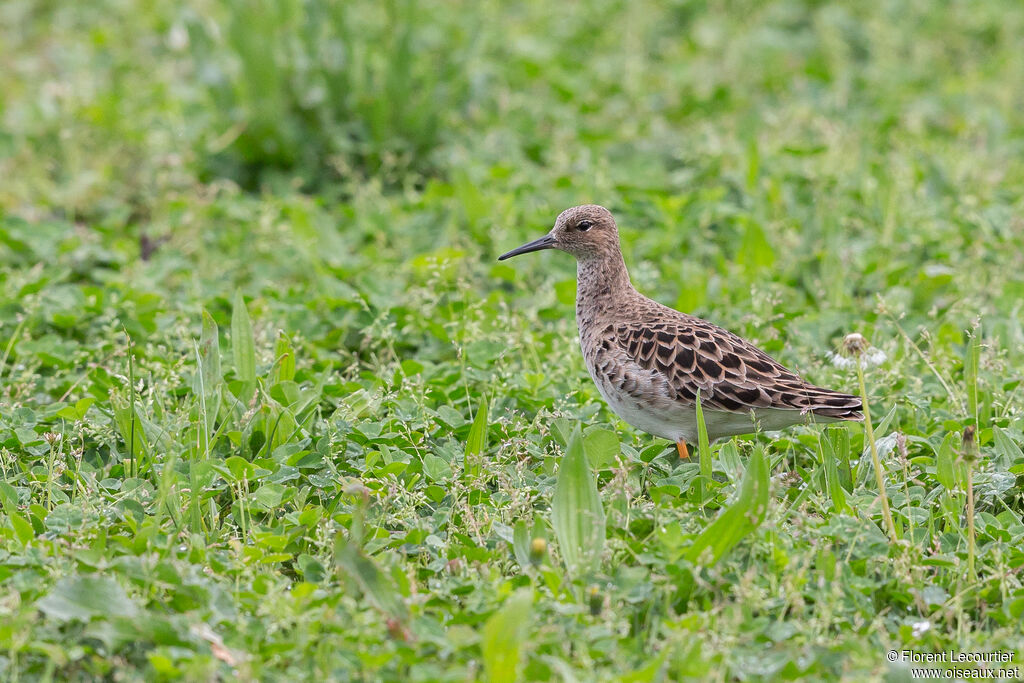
(129, 427)
(971, 360)
(703, 444)
(209, 377)
(376, 585)
(703, 452)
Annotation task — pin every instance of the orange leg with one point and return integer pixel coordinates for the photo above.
(684, 453)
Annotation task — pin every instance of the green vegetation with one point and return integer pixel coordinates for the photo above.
(269, 408)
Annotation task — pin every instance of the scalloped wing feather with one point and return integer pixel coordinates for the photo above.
(731, 374)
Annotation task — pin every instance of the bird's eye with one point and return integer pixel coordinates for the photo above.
(583, 226)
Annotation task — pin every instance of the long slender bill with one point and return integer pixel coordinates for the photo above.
(545, 242)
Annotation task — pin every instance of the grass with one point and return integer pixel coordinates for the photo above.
(269, 408)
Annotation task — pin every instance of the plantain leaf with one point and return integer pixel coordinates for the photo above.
(209, 377)
(835, 489)
(477, 440)
(243, 347)
(738, 520)
(284, 354)
(576, 511)
(946, 470)
(521, 544)
(503, 637)
(377, 586)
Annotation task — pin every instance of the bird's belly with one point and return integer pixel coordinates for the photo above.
(651, 416)
(653, 412)
(648, 408)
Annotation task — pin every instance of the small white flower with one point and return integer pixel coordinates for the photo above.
(870, 357)
(855, 346)
(919, 628)
(177, 38)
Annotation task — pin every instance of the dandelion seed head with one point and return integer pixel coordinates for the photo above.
(855, 348)
(855, 344)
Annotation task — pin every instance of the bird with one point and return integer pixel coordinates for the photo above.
(652, 363)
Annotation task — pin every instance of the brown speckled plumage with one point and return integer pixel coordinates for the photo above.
(650, 361)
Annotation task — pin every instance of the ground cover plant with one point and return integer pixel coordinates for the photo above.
(269, 408)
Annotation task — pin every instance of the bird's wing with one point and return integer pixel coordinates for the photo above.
(730, 373)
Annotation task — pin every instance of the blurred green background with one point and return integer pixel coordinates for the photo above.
(333, 180)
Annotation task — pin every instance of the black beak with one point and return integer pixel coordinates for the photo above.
(545, 242)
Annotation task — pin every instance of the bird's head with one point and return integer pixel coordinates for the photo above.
(586, 232)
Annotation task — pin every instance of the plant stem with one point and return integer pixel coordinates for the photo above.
(970, 453)
(970, 522)
(879, 479)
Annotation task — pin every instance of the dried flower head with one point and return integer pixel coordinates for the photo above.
(970, 446)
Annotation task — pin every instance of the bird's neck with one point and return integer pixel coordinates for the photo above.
(602, 286)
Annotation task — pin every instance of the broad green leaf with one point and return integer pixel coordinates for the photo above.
(243, 347)
(601, 447)
(436, 468)
(650, 672)
(84, 597)
(209, 354)
(1009, 452)
(311, 568)
(729, 457)
(883, 427)
(477, 440)
(286, 392)
(521, 544)
(269, 495)
(377, 586)
(77, 411)
(209, 376)
(945, 463)
(8, 497)
(561, 429)
(503, 637)
(22, 527)
(828, 458)
(284, 356)
(742, 517)
(279, 424)
(576, 511)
